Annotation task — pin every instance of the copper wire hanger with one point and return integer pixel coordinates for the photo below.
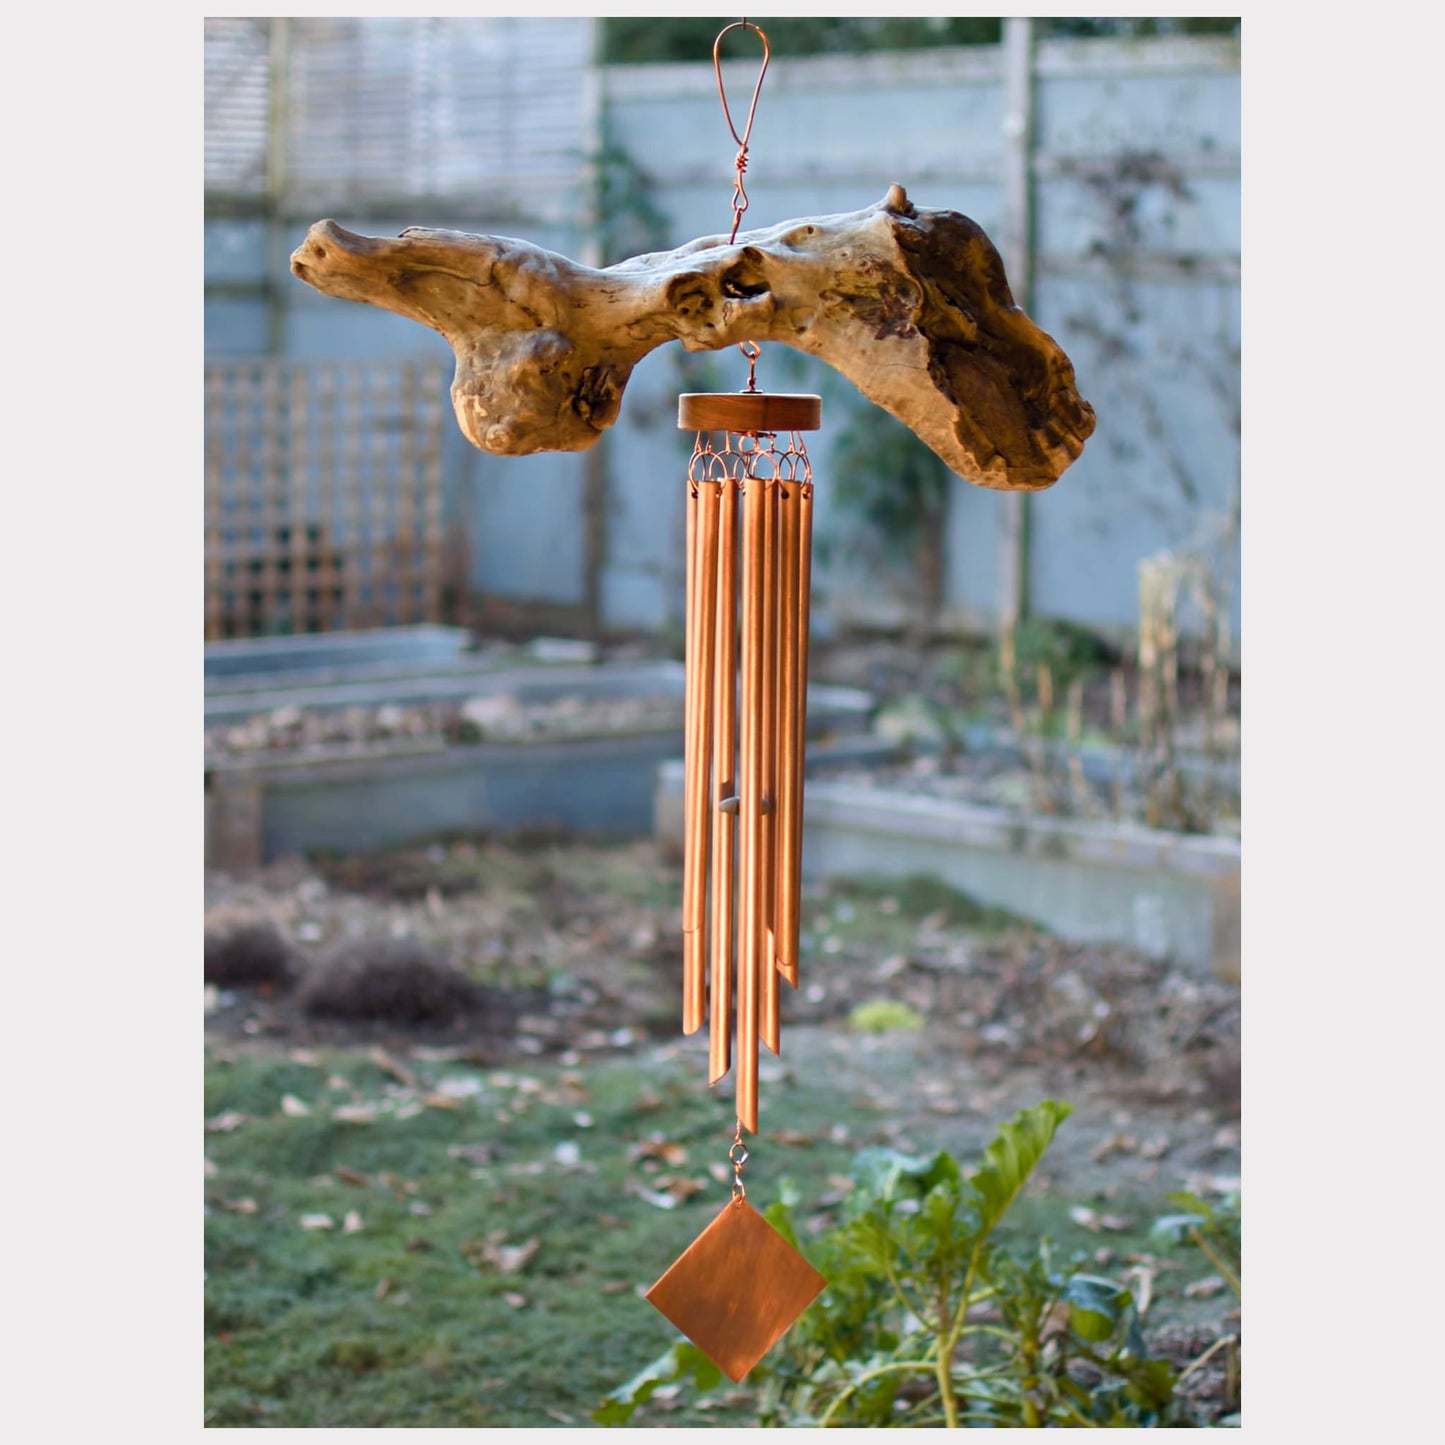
(750, 349)
(740, 195)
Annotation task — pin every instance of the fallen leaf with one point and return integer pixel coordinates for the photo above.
(383, 1288)
(656, 1147)
(1085, 1217)
(1114, 1144)
(351, 1176)
(354, 1114)
(514, 1258)
(680, 1186)
(650, 1196)
(224, 1123)
(293, 1107)
(1116, 1223)
(891, 966)
(792, 1137)
(352, 1223)
(472, 1153)
(615, 1286)
(389, 1065)
(239, 1206)
(441, 1101)
(504, 1258)
(517, 1301)
(1205, 1288)
(567, 1154)
(1141, 1277)
(317, 1221)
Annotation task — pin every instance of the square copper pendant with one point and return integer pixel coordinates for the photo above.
(736, 1288)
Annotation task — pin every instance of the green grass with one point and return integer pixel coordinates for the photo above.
(919, 895)
(404, 1322)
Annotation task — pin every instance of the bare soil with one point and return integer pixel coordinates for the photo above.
(573, 955)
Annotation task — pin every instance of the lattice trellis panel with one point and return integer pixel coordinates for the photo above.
(323, 495)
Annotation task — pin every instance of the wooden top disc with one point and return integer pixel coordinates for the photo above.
(748, 411)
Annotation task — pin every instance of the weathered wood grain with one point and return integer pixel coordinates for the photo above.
(912, 305)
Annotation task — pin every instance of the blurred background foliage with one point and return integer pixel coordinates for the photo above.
(633, 40)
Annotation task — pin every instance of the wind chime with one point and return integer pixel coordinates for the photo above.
(911, 305)
(739, 1286)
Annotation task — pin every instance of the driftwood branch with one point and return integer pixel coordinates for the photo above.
(911, 305)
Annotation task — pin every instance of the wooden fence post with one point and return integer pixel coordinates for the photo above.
(1016, 248)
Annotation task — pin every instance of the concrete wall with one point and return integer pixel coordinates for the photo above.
(1132, 229)
(1135, 224)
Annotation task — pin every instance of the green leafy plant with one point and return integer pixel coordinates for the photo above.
(884, 1015)
(1214, 1229)
(926, 1321)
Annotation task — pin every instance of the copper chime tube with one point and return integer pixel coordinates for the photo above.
(693, 960)
(768, 1024)
(799, 630)
(724, 785)
(743, 764)
(791, 685)
(750, 803)
(702, 598)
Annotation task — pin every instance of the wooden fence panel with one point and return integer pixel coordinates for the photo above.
(323, 495)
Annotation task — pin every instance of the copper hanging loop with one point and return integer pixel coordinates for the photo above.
(740, 195)
(752, 351)
(737, 1157)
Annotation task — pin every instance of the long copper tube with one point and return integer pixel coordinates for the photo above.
(724, 773)
(698, 815)
(805, 582)
(787, 818)
(768, 1030)
(750, 804)
(693, 962)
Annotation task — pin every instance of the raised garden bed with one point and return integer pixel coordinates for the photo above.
(1170, 895)
(335, 757)
(316, 656)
